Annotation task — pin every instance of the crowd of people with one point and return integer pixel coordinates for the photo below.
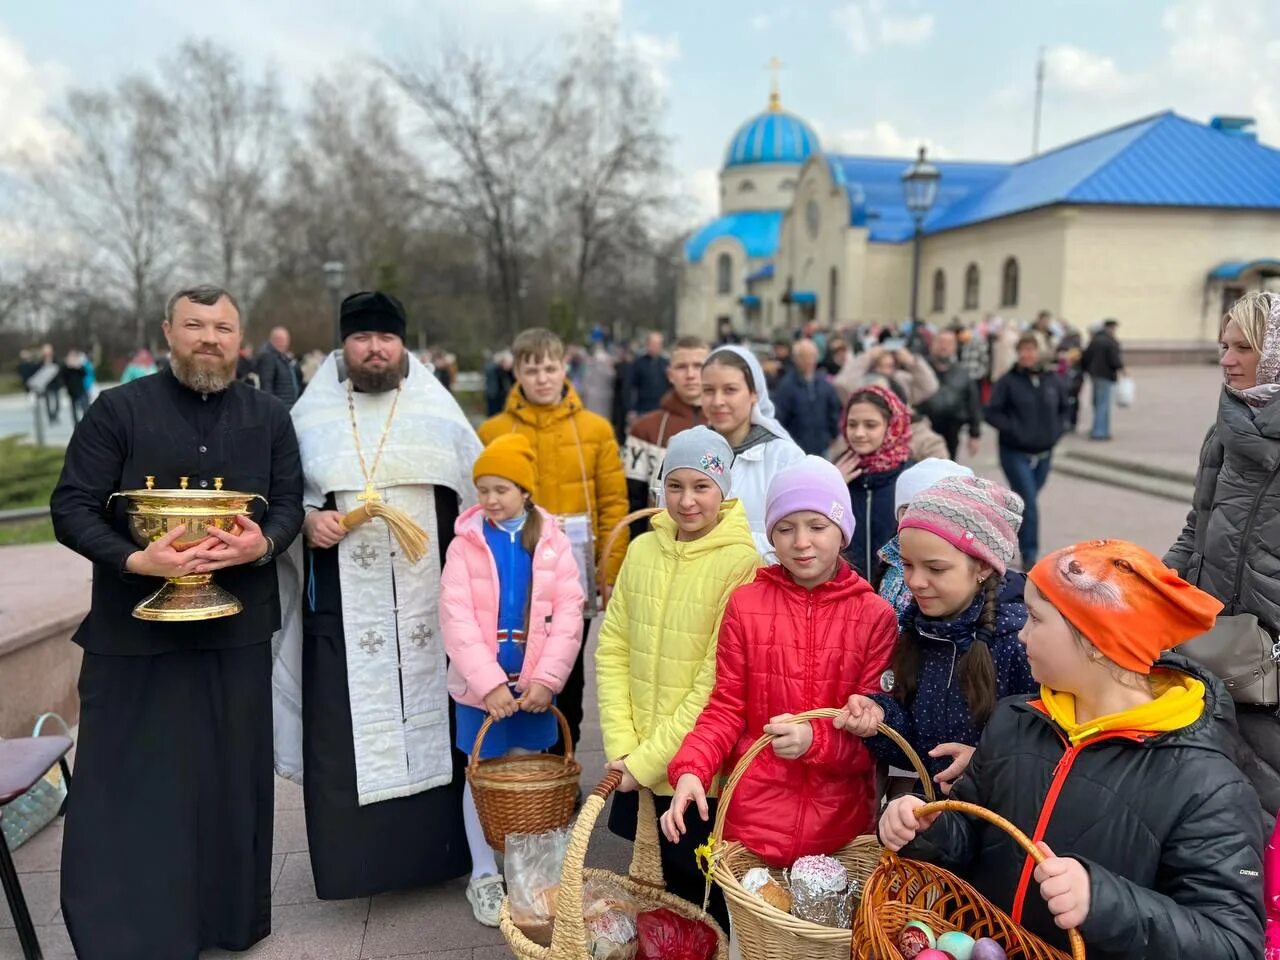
(808, 541)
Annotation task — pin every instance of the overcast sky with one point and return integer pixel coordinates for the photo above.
(872, 76)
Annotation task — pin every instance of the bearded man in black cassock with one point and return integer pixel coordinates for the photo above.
(167, 847)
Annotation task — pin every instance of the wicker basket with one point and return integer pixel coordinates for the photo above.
(901, 890)
(529, 793)
(645, 883)
(611, 541)
(764, 932)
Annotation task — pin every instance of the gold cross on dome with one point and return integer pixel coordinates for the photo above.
(775, 98)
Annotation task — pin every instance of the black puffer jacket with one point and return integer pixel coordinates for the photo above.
(957, 399)
(1028, 409)
(1165, 827)
(1227, 547)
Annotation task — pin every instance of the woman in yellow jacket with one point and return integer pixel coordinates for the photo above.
(656, 658)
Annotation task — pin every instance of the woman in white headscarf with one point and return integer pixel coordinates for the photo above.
(736, 404)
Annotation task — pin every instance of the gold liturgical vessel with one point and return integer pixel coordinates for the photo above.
(153, 513)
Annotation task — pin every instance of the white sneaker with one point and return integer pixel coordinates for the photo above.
(485, 895)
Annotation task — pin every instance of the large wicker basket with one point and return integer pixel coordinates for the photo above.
(645, 883)
(764, 932)
(901, 890)
(528, 793)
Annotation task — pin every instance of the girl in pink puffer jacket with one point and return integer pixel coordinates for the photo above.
(511, 616)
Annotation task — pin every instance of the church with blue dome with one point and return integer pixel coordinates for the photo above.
(1158, 223)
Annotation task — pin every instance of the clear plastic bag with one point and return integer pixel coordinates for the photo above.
(532, 871)
(610, 915)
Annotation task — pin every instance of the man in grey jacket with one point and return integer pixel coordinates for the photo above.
(277, 370)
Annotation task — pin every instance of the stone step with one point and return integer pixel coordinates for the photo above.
(1112, 475)
(1103, 458)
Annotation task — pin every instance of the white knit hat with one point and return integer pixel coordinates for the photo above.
(916, 480)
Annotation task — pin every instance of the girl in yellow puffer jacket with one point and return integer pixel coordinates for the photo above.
(656, 659)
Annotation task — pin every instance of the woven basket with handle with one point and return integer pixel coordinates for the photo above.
(645, 883)
(764, 932)
(529, 793)
(901, 890)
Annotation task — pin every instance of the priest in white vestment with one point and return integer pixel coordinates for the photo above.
(362, 713)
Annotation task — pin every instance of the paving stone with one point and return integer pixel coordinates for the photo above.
(288, 795)
(41, 893)
(308, 931)
(277, 866)
(290, 832)
(41, 852)
(296, 883)
(55, 944)
(411, 921)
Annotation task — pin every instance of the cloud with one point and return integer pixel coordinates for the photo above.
(761, 22)
(1081, 72)
(866, 25)
(655, 54)
(703, 187)
(906, 31)
(882, 138)
(27, 92)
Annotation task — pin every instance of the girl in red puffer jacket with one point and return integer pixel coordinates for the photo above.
(807, 633)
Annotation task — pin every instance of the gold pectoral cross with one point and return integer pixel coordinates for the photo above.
(369, 494)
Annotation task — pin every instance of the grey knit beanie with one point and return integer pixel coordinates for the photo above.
(701, 449)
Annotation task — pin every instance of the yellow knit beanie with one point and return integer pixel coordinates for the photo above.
(511, 457)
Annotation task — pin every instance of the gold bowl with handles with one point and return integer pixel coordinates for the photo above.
(153, 513)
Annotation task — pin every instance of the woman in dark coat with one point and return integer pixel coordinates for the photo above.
(1122, 769)
(877, 429)
(1228, 546)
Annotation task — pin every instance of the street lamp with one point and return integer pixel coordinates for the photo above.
(335, 275)
(919, 190)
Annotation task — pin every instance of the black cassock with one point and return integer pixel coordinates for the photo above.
(395, 844)
(167, 848)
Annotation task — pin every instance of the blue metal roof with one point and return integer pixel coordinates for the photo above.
(1162, 160)
(1232, 269)
(764, 273)
(774, 136)
(874, 186)
(756, 230)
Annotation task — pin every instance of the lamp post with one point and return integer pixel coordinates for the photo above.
(335, 275)
(919, 190)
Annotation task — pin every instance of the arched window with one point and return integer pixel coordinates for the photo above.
(971, 287)
(787, 184)
(939, 291)
(1009, 284)
(831, 295)
(724, 273)
(746, 186)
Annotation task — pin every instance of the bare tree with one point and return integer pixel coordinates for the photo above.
(230, 130)
(498, 125)
(611, 167)
(110, 184)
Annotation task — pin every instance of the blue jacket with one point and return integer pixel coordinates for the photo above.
(937, 712)
(809, 409)
(874, 520)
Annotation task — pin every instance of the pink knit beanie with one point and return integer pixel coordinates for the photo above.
(976, 516)
(809, 484)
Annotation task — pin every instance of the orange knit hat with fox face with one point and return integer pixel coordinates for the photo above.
(1124, 600)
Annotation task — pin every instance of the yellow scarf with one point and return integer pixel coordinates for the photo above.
(1178, 702)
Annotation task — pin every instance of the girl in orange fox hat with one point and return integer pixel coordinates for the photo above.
(1122, 769)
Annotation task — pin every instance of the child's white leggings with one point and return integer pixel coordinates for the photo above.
(483, 863)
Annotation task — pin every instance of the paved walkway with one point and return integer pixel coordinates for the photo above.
(1175, 405)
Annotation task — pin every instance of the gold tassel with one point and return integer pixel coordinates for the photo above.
(412, 538)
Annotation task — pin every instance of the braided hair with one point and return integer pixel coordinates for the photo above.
(975, 670)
